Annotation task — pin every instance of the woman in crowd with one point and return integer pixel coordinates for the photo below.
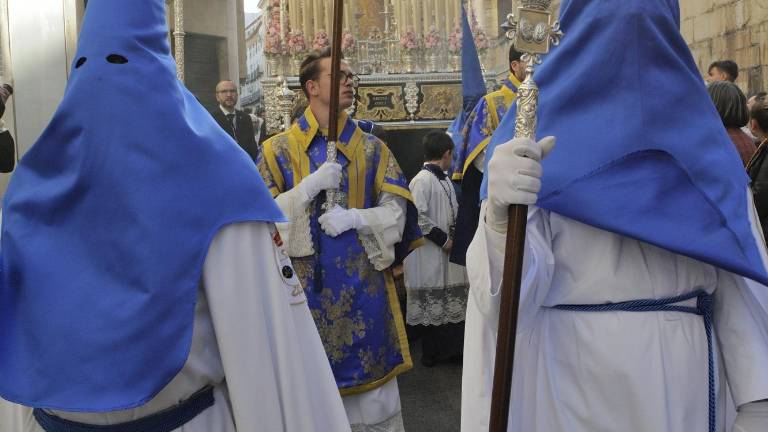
(731, 104)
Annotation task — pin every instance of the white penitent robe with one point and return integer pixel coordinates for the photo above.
(608, 371)
(253, 338)
(437, 288)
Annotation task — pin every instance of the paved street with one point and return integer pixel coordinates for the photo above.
(430, 397)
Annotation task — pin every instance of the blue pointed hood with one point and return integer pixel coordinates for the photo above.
(472, 81)
(641, 149)
(108, 219)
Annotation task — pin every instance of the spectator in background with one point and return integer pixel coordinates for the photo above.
(437, 288)
(722, 70)
(757, 168)
(757, 97)
(235, 122)
(731, 104)
(7, 145)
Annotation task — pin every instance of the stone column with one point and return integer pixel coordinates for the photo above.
(398, 15)
(317, 22)
(328, 19)
(306, 14)
(296, 24)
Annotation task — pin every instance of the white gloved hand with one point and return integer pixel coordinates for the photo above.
(514, 177)
(328, 176)
(339, 220)
(752, 417)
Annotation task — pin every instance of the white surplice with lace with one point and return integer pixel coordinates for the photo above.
(437, 288)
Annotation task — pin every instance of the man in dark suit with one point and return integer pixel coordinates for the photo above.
(235, 122)
(7, 146)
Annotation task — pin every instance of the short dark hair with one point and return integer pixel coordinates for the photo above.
(728, 66)
(310, 67)
(730, 102)
(514, 55)
(247, 110)
(759, 113)
(436, 143)
(759, 96)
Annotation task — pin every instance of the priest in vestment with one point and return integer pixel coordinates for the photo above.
(343, 253)
(144, 286)
(643, 302)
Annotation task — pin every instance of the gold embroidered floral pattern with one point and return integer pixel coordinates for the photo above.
(337, 324)
(374, 364)
(488, 126)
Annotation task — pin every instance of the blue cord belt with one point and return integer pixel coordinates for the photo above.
(164, 421)
(703, 308)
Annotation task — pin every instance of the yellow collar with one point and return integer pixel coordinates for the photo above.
(513, 79)
(347, 148)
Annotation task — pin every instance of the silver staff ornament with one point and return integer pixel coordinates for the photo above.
(532, 32)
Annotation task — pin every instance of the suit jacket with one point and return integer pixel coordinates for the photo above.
(243, 131)
(7, 147)
(7, 152)
(757, 168)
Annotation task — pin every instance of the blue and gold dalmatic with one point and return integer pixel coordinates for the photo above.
(481, 123)
(355, 307)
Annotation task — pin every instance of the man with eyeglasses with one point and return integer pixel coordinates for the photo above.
(234, 121)
(343, 255)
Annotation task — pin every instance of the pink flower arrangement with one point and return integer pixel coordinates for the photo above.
(297, 45)
(273, 44)
(432, 39)
(321, 41)
(481, 40)
(454, 40)
(410, 41)
(347, 42)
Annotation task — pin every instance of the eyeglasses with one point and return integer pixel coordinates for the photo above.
(352, 77)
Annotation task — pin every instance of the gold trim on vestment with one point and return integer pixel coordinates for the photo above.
(397, 316)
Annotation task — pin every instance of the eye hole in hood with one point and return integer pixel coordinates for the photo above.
(117, 59)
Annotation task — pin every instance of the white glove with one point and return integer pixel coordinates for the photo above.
(514, 177)
(328, 176)
(339, 220)
(752, 417)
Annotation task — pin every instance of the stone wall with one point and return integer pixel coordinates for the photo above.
(729, 29)
(726, 29)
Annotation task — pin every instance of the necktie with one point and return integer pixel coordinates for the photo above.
(231, 118)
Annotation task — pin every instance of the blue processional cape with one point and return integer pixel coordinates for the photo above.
(472, 81)
(108, 219)
(641, 149)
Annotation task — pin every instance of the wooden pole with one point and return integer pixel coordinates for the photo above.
(333, 115)
(509, 303)
(536, 14)
(333, 118)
